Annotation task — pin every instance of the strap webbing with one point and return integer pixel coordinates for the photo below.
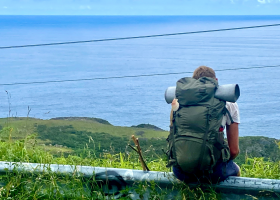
(173, 137)
(229, 115)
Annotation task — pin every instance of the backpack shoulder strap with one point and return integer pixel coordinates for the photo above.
(229, 115)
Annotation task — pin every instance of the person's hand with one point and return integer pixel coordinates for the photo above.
(174, 102)
(175, 105)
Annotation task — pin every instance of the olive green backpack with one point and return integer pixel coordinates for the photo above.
(196, 140)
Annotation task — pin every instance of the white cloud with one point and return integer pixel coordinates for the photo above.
(5, 7)
(260, 1)
(268, 1)
(249, 1)
(85, 7)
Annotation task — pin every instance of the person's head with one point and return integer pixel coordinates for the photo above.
(204, 71)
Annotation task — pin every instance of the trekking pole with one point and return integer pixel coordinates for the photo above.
(136, 142)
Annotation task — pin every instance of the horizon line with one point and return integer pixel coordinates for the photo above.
(140, 15)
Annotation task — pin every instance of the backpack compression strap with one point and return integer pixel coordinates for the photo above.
(205, 137)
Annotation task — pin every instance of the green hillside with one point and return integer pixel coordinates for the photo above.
(73, 135)
(94, 125)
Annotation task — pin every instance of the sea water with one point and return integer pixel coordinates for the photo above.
(136, 100)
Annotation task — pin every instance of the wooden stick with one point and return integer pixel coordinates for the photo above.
(136, 142)
(141, 156)
(133, 148)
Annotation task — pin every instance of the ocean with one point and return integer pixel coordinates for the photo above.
(132, 101)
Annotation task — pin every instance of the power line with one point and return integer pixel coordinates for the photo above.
(241, 68)
(137, 37)
(131, 76)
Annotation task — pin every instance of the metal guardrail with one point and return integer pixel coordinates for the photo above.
(118, 179)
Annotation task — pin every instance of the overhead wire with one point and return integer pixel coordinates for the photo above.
(130, 76)
(126, 38)
(137, 37)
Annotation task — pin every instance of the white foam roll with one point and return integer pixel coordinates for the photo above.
(170, 94)
(229, 92)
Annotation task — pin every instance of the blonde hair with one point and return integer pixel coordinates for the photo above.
(204, 71)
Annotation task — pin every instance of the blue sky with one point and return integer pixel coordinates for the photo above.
(140, 7)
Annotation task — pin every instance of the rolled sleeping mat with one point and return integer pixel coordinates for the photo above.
(170, 94)
(229, 92)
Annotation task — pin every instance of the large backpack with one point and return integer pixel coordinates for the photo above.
(196, 140)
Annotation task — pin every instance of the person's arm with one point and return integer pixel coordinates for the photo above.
(233, 139)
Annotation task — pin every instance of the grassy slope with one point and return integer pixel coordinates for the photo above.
(57, 137)
(71, 135)
(22, 126)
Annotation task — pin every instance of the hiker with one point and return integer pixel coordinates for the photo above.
(197, 148)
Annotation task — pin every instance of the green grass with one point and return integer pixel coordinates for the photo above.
(53, 186)
(50, 185)
(20, 142)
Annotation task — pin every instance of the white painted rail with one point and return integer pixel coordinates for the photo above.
(233, 187)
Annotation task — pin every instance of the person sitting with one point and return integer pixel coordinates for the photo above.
(196, 155)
